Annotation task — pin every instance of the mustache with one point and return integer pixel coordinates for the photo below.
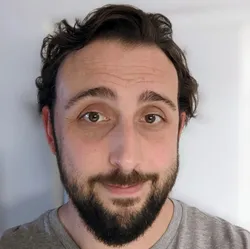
(117, 177)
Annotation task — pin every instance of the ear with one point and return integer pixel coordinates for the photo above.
(48, 128)
(182, 122)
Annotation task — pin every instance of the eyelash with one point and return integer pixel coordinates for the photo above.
(84, 115)
(91, 112)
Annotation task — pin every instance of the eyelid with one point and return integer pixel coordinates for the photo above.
(156, 114)
(156, 110)
(99, 106)
(87, 112)
(104, 117)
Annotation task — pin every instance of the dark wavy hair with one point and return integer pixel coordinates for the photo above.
(126, 24)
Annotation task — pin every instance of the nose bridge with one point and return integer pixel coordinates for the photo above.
(125, 150)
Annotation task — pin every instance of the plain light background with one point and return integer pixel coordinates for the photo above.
(214, 161)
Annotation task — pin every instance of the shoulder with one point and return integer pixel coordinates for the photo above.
(29, 235)
(212, 230)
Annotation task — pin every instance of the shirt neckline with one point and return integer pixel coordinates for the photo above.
(164, 241)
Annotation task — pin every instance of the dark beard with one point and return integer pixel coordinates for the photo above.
(118, 229)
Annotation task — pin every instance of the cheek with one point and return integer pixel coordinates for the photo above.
(84, 156)
(162, 153)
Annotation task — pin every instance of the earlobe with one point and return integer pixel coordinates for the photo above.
(48, 128)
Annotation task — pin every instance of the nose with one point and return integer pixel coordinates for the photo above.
(125, 148)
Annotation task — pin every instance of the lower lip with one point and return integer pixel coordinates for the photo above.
(123, 190)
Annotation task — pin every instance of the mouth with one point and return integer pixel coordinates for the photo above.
(123, 189)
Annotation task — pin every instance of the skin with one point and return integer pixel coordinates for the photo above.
(122, 139)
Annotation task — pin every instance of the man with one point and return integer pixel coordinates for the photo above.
(114, 94)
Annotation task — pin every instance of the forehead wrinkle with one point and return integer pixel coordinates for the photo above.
(81, 66)
(102, 65)
(129, 77)
(122, 75)
(121, 72)
(77, 60)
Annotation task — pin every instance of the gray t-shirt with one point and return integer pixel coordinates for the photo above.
(189, 229)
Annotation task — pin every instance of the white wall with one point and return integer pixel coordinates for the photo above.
(244, 131)
(214, 151)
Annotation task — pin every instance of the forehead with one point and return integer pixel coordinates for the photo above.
(127, 68)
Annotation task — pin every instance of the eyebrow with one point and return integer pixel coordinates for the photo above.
(151, 96)
(107, 93)
(100, 92)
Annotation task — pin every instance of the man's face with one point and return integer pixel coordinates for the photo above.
(116, 128)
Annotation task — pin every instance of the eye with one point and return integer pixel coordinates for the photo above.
(94, 117)
(153, 118)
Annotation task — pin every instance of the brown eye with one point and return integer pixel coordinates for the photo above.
(94, 117)
(153, 118)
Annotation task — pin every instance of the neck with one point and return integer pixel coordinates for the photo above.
(85, 239)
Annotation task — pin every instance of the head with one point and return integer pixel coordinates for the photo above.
(115, 93)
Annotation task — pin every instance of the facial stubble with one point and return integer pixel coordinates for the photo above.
(112, 228)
